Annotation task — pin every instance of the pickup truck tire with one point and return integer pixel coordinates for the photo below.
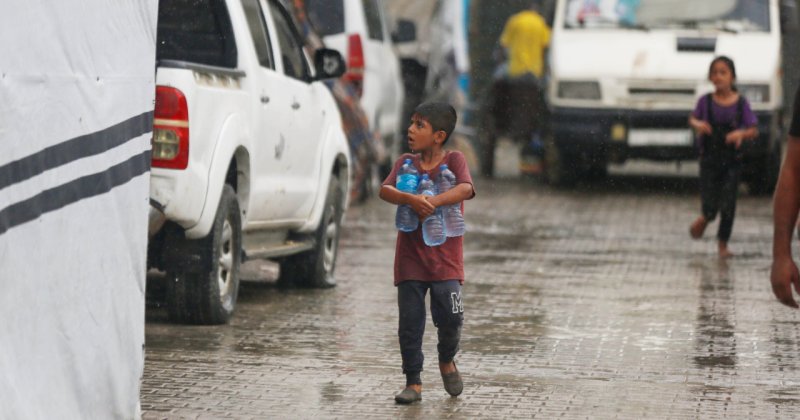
(315, 268)
(208, 296)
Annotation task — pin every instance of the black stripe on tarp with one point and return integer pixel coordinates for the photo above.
(71, 150)
(73, 191)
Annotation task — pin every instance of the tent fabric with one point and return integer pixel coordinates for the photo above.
(77, 88)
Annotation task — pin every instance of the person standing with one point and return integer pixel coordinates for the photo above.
(786, 203)
(515, 105)
(419, 268)
(723, 120)
(525, 39)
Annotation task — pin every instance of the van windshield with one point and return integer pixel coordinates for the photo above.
(721, 15)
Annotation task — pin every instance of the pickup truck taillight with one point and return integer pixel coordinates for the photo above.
(170, 129)
(355, 63)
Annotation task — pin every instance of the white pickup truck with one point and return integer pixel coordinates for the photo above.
(249, 156)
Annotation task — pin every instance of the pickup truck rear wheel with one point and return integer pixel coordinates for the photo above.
(315, 268)
(208, 296)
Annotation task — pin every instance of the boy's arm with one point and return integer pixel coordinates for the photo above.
(418, 203)
(786, 204)
(457, 194)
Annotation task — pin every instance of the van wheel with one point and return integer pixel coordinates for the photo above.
(208, 296)
(315, 268)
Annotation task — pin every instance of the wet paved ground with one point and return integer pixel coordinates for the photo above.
(591, 303)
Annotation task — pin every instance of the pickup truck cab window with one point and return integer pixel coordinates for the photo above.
(258, 31)
(196, 31)
(294, 61)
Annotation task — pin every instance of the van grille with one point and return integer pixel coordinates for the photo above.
(640, 91)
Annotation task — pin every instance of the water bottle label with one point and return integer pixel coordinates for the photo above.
(407, 183)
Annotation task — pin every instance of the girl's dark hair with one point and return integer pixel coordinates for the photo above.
(440, 115)
(728, 62)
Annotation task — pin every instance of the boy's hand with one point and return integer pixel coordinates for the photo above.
(735, 137)
(422, 206)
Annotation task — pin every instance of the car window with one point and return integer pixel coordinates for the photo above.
(373, 16)
(326, 16)
(258, 30)
(198, 31)
(294, 62)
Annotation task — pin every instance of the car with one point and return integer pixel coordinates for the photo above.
(358, 29)
(249, 157)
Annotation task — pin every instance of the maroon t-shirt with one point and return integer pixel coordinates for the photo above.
(413, 260)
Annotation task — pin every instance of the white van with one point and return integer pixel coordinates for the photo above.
(625, 74)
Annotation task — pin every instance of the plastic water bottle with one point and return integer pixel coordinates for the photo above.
(406, 219)
(433, 226)
(453, 219)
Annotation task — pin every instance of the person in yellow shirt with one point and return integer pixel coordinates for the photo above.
(515, 105)
(525, 38)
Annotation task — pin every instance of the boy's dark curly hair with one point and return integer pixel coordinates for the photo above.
(440, 115)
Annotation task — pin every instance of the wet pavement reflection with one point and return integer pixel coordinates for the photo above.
(715, 329)
(585, 303)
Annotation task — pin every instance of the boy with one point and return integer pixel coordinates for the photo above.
(418, 267)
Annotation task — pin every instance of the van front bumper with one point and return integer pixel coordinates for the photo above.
(604, 134)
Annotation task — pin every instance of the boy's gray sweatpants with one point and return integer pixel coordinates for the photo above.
(447, 311)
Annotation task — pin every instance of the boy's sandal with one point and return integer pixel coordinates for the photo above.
(408, 396)
(452, 382)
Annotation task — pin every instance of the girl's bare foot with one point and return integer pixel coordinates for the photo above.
(724, 252)
(698, 227)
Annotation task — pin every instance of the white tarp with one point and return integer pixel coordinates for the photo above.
(76, 100)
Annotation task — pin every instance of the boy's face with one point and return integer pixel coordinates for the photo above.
(421, 136)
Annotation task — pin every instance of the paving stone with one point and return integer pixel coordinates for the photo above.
(584, 303)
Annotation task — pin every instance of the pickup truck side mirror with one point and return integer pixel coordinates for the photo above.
(406, 31)
(328, 64)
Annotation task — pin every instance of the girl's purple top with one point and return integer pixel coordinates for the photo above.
(725, 114)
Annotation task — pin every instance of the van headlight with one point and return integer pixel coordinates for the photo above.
(585, 90)
(755, 93)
